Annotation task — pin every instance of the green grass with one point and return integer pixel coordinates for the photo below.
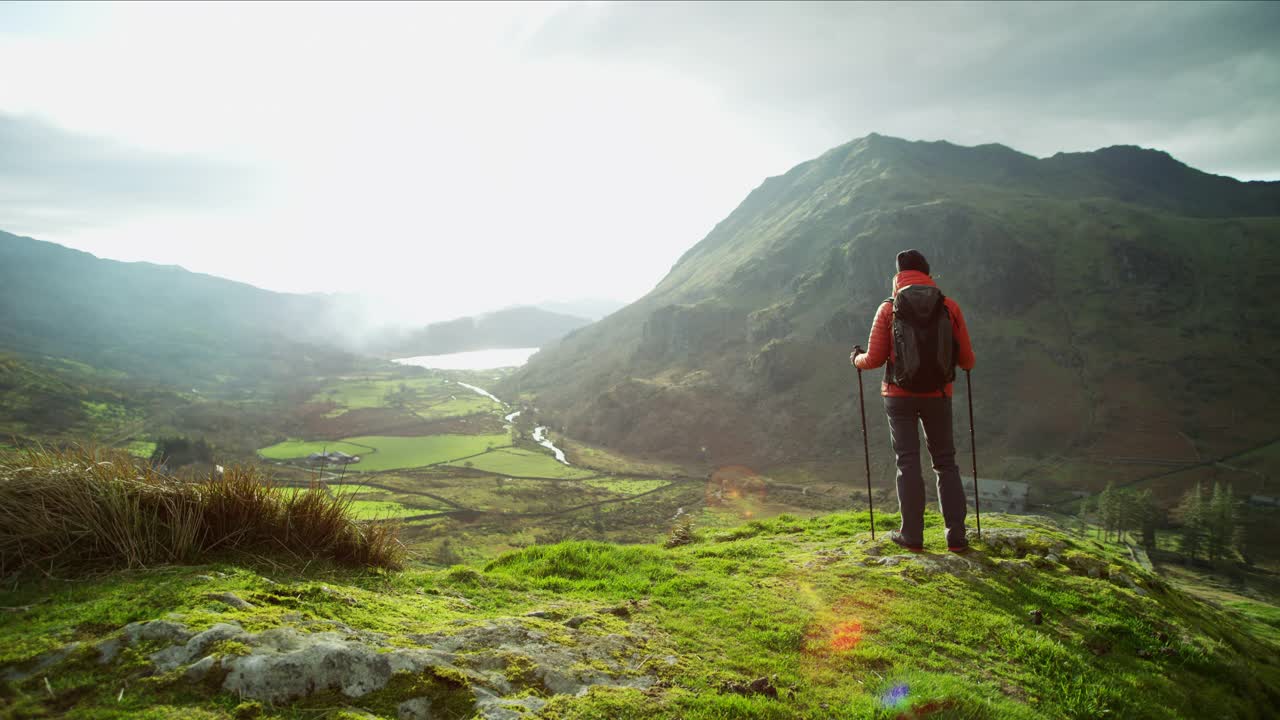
(140, 448)
(431, 398)
(627, 486)
(381, 509)
(392, 453)
(524, 463)
(372, 393)
(805, 602)
(462, 405)
(293, 449)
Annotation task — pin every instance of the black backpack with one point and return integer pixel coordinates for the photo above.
(923, 341)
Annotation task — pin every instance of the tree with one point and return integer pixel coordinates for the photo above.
(1106, 510)
(1087, 506)
(1221, 522)
(1192, 512)
(1150, 517)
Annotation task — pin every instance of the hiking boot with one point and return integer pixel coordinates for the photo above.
(898, 539)
(959, 549)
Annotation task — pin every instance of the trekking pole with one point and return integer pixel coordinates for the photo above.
(973, 452)
(866, 454)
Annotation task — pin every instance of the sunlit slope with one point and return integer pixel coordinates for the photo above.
(1118, 302)
(784, 618)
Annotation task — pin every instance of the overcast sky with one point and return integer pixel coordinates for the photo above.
(457, 158)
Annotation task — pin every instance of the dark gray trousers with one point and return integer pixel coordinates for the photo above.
(905, 416)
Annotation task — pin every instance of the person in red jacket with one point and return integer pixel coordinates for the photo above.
(906, 410)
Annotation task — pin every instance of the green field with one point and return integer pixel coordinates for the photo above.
(354, 488)
(524, 463)
(430, 398)
(379, 509)
(371, 393)
(393, 453)
(140, 448)
(292, 449)
(469, 404)
(627, 486)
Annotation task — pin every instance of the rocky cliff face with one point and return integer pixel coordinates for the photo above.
(1083, 279)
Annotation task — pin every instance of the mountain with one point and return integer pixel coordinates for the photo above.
(161, 322)
(1120, 304)
(518, 327)
(591, 308)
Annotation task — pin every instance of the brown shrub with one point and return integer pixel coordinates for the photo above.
(104, 508)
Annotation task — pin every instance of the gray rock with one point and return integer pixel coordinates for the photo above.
(42, 663)
(199, 669)
(197, 647)
(155, 631)
(108, 649)
(354, 669)
(415, 709)
(341, 597)
(231, 599)
(493, 707)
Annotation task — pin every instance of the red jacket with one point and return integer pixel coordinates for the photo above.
(880, 344)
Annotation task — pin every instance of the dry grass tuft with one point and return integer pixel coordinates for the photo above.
(103, 508)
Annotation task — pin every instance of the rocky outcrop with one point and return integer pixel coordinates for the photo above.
(500, 669)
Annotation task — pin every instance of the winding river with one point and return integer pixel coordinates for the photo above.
(539, 433)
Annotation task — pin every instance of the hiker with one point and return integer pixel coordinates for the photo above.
(918, 389)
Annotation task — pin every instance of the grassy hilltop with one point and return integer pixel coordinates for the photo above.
(783, 618)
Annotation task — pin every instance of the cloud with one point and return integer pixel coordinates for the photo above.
(1201, 80)
(52, 179)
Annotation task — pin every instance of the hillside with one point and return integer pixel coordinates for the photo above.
(519, 327)
(158, 322)
(784, 618)
(1118, 302)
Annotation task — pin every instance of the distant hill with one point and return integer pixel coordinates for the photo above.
(518, 327)
(590, 308)
(159, 322)
(1121, 305)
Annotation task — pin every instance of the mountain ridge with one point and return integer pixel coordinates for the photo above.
(744, 343)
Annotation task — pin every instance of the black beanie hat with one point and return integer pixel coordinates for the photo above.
(912, 260)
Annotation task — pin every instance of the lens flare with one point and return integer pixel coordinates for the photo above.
(895, 696)
(737, 488)
(846, 635)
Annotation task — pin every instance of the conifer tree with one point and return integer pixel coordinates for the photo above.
(1192, 511)
(1149, 518)
(1106, 509)
(1087, 505)
(1221, 522)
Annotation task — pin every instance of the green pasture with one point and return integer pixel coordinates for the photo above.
(392, 453)
(291, 449)
(354, 488)
(431, 398)
(372, 393)
(627, 486)
(524, 463)
(382, 509)
(468, 404)
(140, 448)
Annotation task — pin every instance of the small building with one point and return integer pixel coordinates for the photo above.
(336, 457)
